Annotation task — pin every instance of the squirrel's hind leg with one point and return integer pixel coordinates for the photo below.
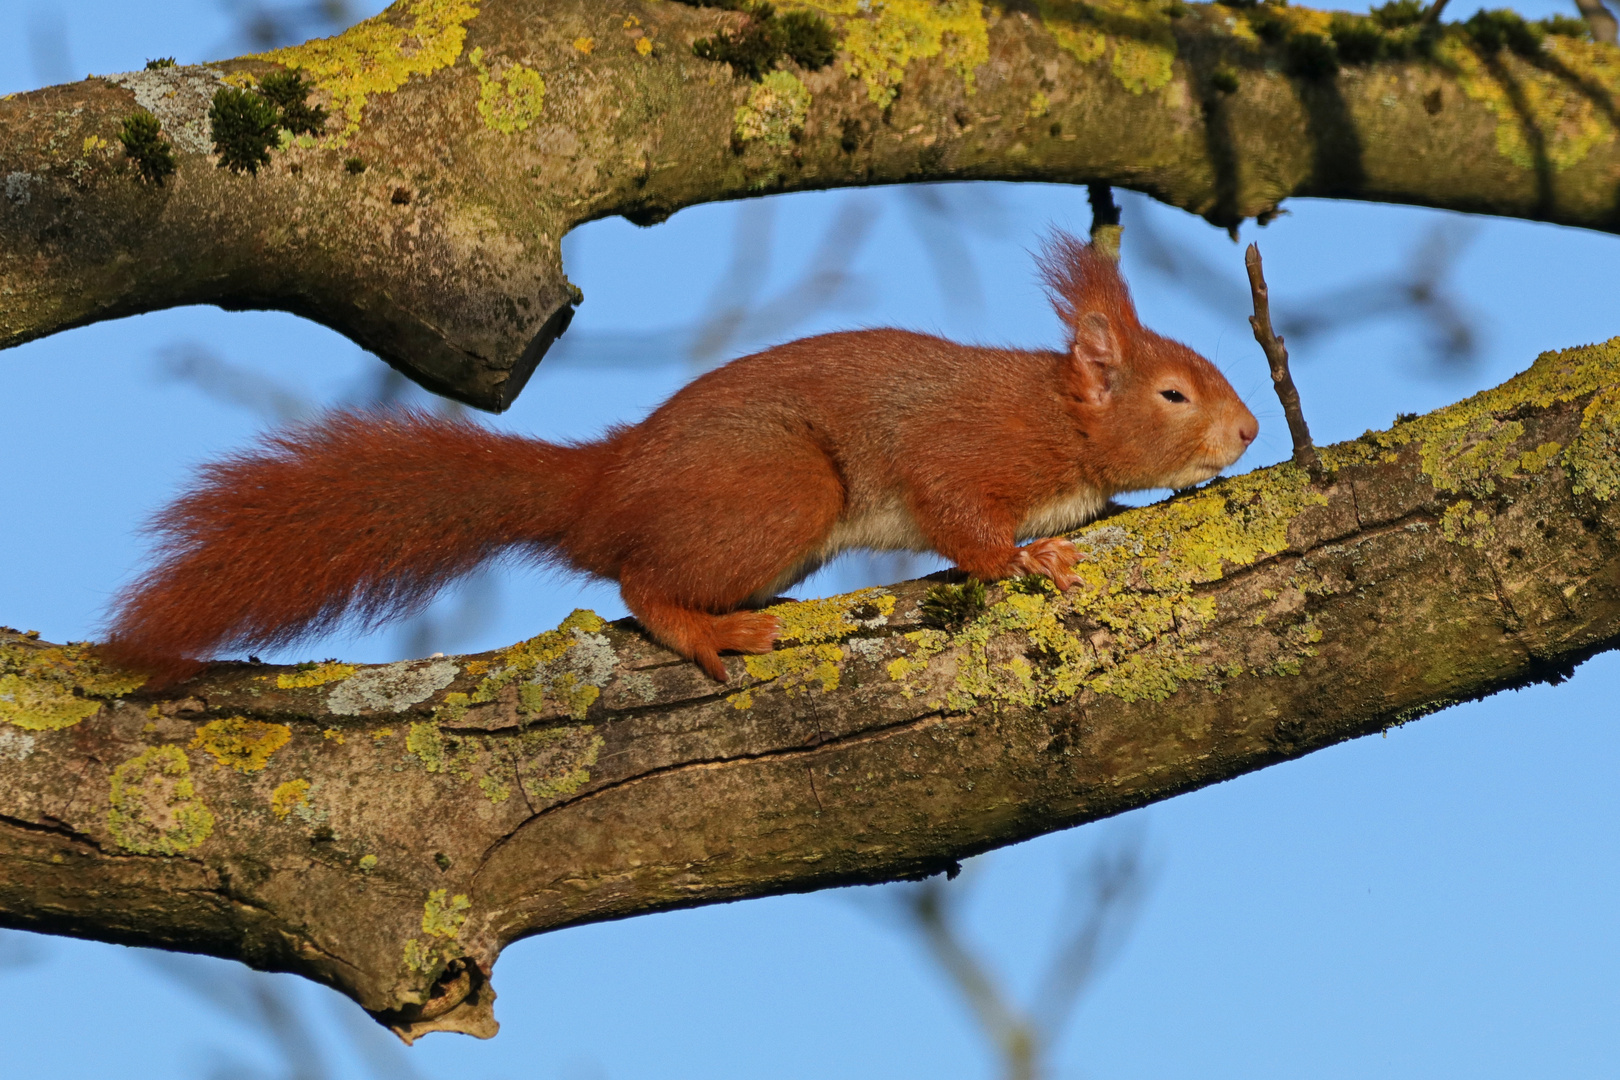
(699, 635)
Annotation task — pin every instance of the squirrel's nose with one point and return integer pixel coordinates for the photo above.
(1248, 431)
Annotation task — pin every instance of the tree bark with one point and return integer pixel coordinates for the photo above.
(467, 138)
(388, 830)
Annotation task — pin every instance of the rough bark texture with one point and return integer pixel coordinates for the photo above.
(388, 830)
(486, 130)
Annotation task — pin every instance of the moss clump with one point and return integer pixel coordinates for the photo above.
(160, 63)
(951, 607)
(154, 806)
(1399, 13)
(244, 126)
(353, 166)
(1495, 30)
(1224, 79)
(1358, 41)
(145, 145)
(1566, 26)
(288, 91)
(1311, 56)
(244, 745)
(801, 36)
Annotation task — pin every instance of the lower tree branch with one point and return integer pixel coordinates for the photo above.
(388, 830)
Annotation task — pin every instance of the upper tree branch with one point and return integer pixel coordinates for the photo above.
(467, 138)
(389, 830)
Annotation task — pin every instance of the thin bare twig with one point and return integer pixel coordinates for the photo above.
(1305, 455)
(1432, 16)
(1105, 226)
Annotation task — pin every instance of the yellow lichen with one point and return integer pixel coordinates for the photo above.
(427, 744)
(1533, 461)
(1593, 459)
(244, 745)
(795, 668)
(494, 790)
(314, 675)
(154, 806)
(1039, 105)
(1144, 43)
(644, 46)
(1462, 524)
(568, 665)
(776, 110)
(815, 622)
(45, 689)
(509, 99)
(368, 863)
(882, 36)
(744, 700)
(289, 797)
(378, 55)
(1141, 66)
(1566, 119)
(585, 44)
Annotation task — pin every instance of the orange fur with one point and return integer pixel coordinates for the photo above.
(742, 483)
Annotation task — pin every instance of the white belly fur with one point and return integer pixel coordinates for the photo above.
(890, 527)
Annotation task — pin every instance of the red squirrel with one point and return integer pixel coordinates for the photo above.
(738, 486)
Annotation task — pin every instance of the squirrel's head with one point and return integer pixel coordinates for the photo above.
(1156, 414)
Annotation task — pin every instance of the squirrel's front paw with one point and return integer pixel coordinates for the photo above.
(1051, 557)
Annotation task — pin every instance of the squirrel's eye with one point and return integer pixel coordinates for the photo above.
(1172, 395)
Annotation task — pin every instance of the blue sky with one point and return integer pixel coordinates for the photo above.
(1438, 902)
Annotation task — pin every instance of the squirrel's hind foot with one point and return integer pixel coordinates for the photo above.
(1051, 557)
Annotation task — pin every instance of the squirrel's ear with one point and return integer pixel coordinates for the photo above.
(1095, 356)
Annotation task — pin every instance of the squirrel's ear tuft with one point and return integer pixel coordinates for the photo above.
(1081, 280)
(1096, 356)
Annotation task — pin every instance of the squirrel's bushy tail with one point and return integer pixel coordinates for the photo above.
(361, 516)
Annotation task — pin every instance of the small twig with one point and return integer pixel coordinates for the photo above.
(1305, 455)
(1105, 227)
(1431, 17)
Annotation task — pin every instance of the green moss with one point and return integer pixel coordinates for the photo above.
(775, 112)
(244, 745)
(508, 100)
(768, 38)
(45, 689)
(378, 55)
(288, 91)
(159, 63)
(244, 126)
(154, 806)
(146, 147)
(1501, 28)
(951, 607)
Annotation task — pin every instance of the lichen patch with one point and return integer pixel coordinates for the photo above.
(154, 807)
(46, 689)
(241, 744)
(510, 96)
(775, 112)
(391, 687)
(307, 675)
(179, 97)
(378, 55)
